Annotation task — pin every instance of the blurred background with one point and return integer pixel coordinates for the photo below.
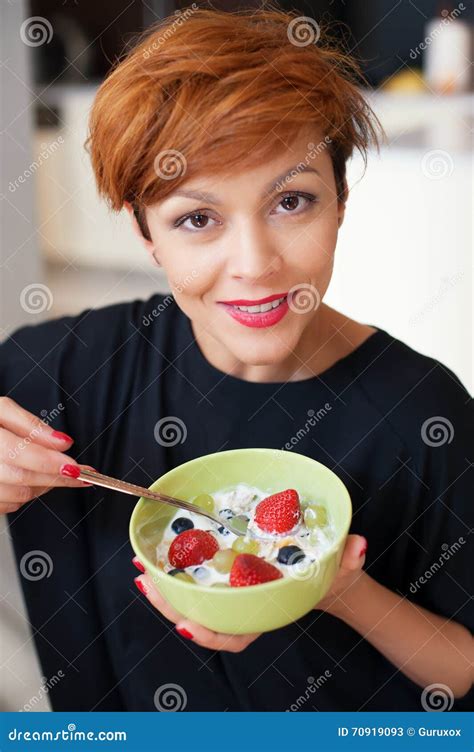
(404, 257)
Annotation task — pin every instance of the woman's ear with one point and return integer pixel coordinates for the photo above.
(147, 244)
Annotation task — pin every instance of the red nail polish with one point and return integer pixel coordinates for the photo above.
(140, 586)
(137, 563)
(62, 436)
(71, 471)
(363, 549)
(184, 633)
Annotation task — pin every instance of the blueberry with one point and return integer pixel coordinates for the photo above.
(201, 573)
(226, 513)
(223, 530)
(182, 524)
(290, 555)
(172, 572)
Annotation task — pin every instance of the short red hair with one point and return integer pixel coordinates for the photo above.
(210, 91)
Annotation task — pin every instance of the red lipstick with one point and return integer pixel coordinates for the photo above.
(257, 320)
(260, 301)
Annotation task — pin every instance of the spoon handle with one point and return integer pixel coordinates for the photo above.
(98, 479)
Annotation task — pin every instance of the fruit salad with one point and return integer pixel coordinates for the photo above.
(284, 536)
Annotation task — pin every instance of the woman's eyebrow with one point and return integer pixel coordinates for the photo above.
(211, 198)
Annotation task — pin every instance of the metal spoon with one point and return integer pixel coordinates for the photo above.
(130, 488)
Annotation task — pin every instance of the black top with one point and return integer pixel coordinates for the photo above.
(110, 375)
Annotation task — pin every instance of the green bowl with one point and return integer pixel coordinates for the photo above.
(257, 608)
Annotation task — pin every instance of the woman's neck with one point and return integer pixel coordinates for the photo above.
(330, 337)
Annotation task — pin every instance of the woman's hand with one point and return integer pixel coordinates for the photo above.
(31, 456)
(204, 637)
(351, 566)
(353, 559)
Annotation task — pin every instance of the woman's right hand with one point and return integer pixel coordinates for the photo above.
(31, 455)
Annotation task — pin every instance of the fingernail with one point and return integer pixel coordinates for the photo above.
(363, 549)
(62, 436)
(137, 563)
(140, 585)
(71, 471)
(184, 633)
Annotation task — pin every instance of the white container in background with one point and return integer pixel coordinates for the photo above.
(446, 59)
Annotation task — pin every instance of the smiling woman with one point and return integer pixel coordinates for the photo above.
(225, 136)
(288, 115)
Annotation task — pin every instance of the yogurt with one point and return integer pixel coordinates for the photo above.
(242, 499)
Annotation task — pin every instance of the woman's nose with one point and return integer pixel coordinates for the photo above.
(254, 255)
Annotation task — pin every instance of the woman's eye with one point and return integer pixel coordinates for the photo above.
(292, 202)
(198, 221)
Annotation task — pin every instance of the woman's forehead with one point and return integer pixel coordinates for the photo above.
(304, 156)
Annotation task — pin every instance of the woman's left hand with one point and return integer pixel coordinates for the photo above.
(204, 637)
(353, 559)
(351, 565)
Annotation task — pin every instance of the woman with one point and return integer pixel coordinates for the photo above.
(226, 137)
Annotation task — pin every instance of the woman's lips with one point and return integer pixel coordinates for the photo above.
(258, 320)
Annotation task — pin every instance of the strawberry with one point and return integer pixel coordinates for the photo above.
(249, 569)
(279, 512)
(192, 547)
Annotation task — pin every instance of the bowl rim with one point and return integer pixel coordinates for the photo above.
(274, 584)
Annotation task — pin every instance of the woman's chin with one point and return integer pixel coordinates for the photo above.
(272, 353)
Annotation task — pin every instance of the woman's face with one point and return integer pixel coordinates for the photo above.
(247, 238)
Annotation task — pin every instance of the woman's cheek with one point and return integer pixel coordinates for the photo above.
(188, 276)
(190, 284)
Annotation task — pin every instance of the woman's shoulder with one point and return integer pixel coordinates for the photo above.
(102, 326)
(97, 342)
(420, 397)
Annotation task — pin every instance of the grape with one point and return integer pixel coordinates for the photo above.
(205, 501)
(315, 515)
(243, 546)
(222, 560)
